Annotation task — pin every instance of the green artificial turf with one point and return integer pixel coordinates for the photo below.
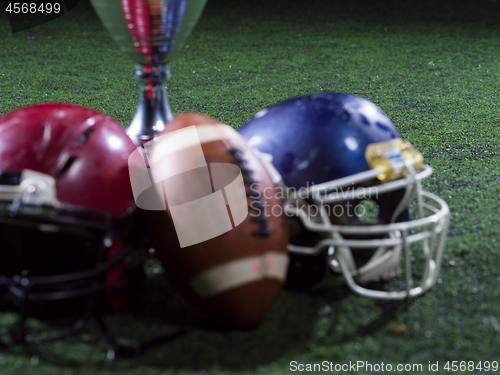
(432, 66)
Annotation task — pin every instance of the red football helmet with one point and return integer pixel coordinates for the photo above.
(66, 209)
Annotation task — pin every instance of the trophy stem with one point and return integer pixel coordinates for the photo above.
(153, 110)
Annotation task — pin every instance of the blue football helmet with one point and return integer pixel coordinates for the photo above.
(352, 195)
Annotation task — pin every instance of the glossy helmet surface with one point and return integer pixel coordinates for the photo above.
(66, 207)
(353, 194)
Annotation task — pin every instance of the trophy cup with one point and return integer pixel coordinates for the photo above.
(151, 32)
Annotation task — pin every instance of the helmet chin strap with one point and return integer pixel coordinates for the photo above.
(414, 186)
(384, 263)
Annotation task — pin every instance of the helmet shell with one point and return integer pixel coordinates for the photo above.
(84, 150)
(319, 137)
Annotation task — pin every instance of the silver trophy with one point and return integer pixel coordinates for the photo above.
(151, 32)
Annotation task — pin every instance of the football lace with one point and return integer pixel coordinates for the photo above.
(254, 195)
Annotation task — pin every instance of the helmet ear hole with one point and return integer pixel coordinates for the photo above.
(85, 136)
(367, 211)
(67, 164)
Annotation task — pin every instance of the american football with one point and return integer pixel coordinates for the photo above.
(235, 276)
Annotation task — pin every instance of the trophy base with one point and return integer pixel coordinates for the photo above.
(153, 110)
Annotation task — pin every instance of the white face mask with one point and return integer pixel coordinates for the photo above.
(397, 243)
